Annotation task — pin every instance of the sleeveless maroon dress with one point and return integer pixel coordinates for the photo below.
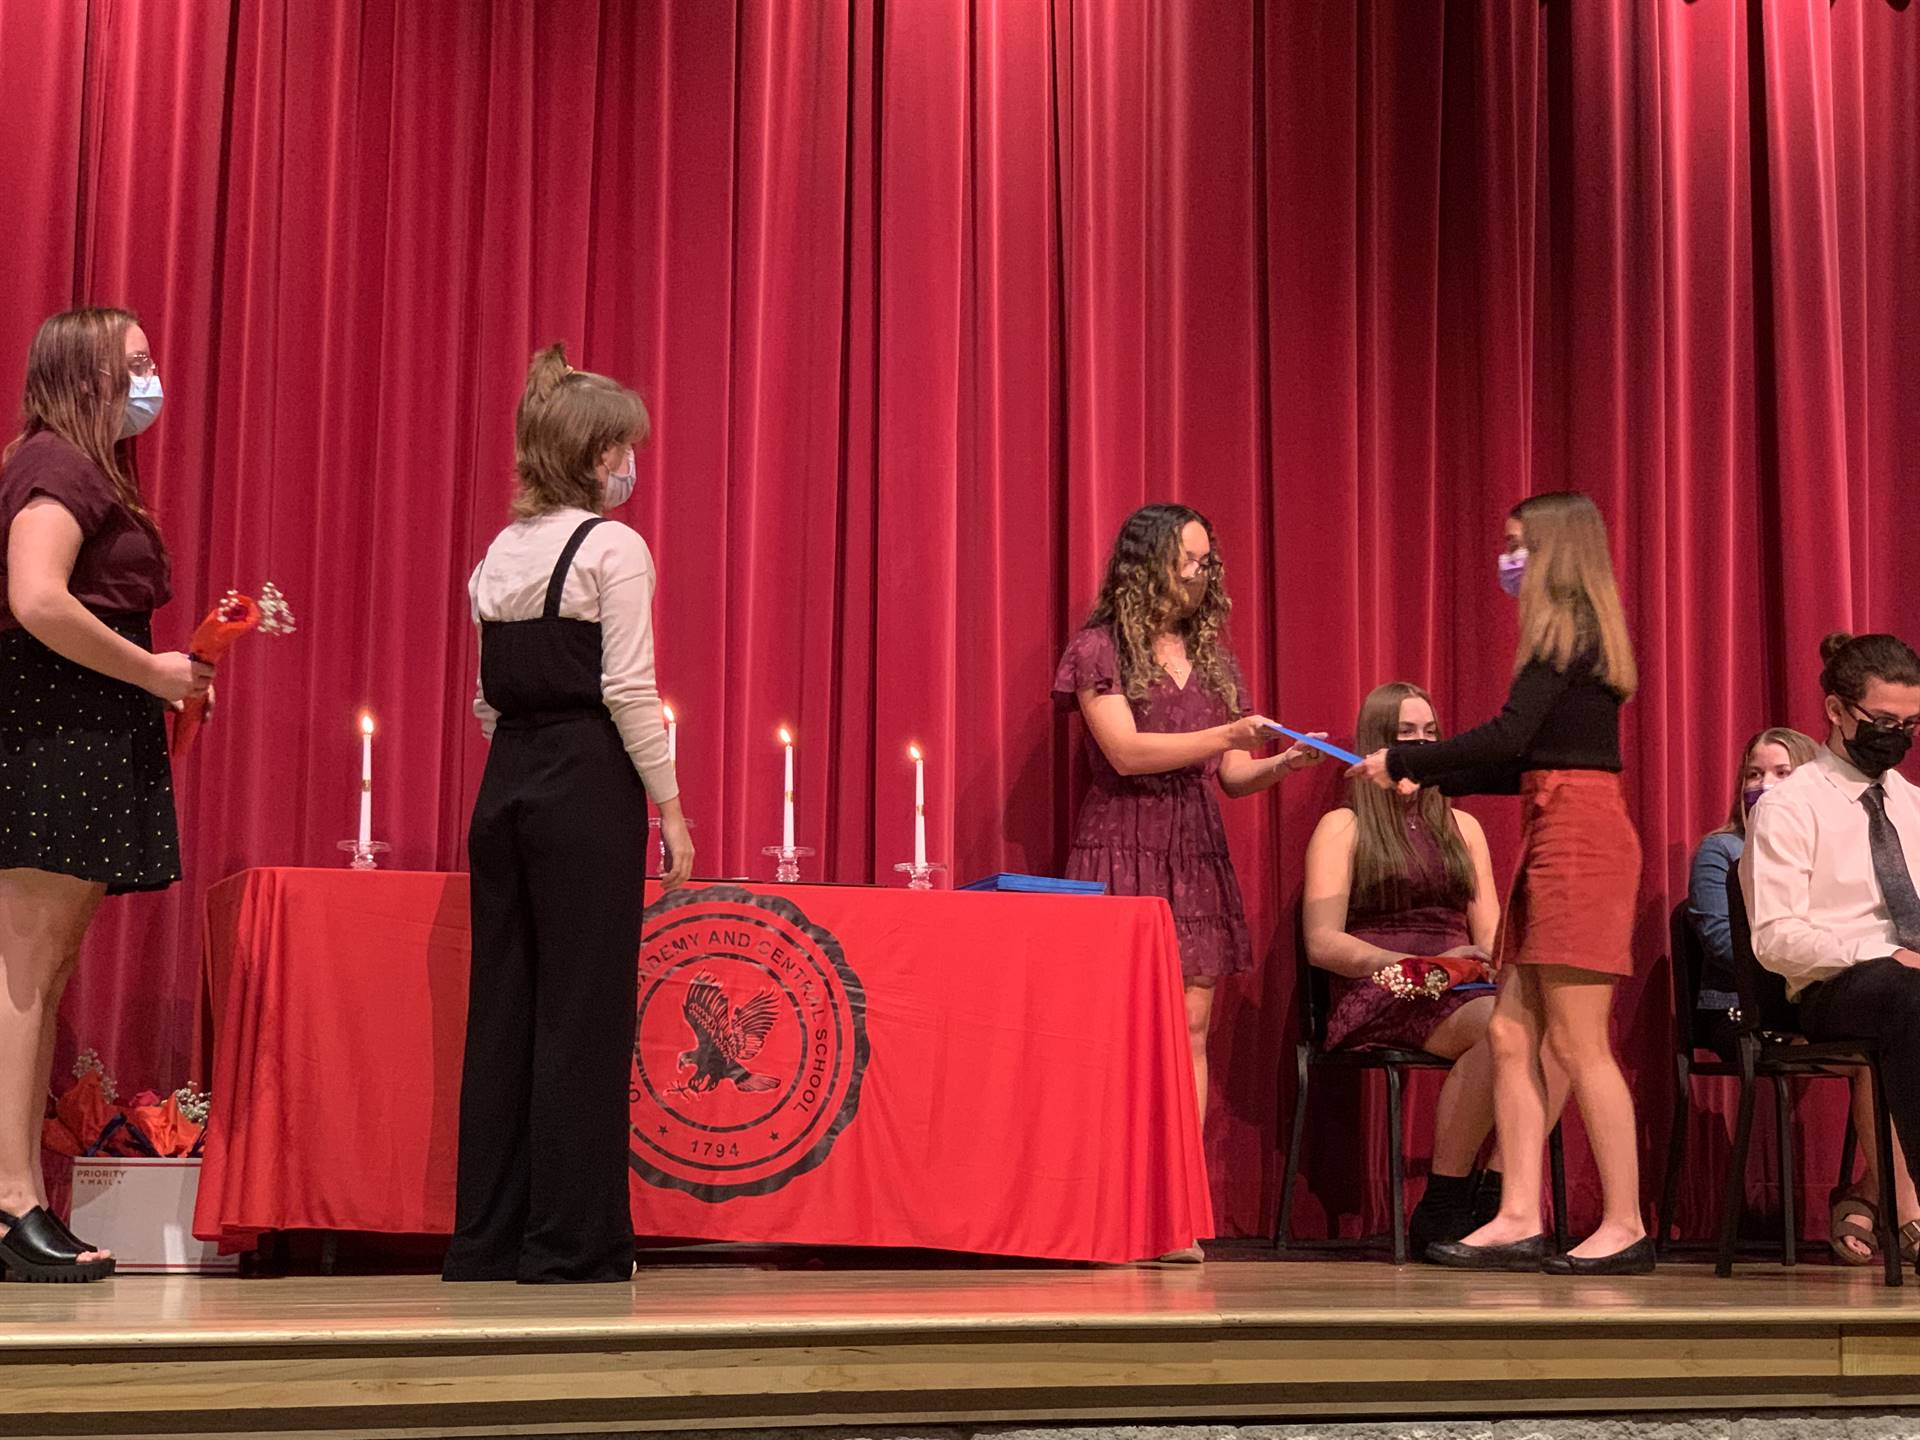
(1363, 1014)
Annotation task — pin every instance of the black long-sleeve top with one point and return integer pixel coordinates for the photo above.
(1553, 720)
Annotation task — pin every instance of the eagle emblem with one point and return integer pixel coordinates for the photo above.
(725, 1038)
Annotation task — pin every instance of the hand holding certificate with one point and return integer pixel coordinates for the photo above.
(1317, 742)
(1374, 768)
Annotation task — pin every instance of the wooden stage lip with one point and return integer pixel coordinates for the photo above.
(694, 1346)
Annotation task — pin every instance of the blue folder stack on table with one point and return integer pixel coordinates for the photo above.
(1037, 885)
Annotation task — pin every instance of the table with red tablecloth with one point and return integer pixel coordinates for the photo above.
(997, 1073)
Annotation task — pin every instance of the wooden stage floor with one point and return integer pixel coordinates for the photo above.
(695, 1346)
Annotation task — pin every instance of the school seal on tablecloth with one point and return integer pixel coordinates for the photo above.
(750, 1047)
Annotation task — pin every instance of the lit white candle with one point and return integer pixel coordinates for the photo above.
(919, 807)
(673, 736)
(366, 779)
(786, 824)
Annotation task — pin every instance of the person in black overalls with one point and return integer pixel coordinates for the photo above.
(557, 847)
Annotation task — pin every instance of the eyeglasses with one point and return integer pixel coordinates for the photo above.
(140, 363)
(1909, 726)
(1198, 565)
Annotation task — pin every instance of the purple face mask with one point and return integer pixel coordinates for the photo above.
(1513, 569)
(1750, 797)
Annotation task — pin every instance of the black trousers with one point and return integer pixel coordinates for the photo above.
(1877, 1000)
(557, 849)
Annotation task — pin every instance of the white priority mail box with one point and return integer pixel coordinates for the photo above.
(142, 1210)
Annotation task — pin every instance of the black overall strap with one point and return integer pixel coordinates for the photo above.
(565, 563)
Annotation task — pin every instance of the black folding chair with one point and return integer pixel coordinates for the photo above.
(1687, 963)
(1772, 1046)
(1310, 1055)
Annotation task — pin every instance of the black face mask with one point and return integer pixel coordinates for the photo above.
(1421, 741)
(1875, 751)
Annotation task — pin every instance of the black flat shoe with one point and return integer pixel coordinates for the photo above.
(38, 1248)
(1520, 1255)
(1636, 1259)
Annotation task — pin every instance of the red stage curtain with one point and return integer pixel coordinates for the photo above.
(924, 299)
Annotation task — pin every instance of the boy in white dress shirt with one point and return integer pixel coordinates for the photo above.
(1829, 874)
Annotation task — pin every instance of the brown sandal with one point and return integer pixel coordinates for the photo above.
(1854, 1217)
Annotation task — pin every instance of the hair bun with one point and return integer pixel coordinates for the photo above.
(549, 368)
(1833, 645)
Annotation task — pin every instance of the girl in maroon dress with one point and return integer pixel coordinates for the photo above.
(1391, 877)
(1163, 705)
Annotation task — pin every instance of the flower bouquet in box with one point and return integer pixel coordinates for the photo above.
(130, 1176)
(88, 1120)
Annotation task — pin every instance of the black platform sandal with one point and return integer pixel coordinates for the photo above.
(38, 1247)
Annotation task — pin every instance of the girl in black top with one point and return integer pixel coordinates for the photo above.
(1568, 931)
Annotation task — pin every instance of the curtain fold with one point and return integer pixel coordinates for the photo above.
(924, 299)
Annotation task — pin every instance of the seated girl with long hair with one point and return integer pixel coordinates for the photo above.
(1392, 877)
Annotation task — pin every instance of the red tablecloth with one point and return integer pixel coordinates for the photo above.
(1003, 1074)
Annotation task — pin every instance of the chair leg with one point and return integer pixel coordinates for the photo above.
(1783, 1125)
(1889, 1205)
(1396, 1169)
(1849, 1152)
(1557, 1175)
(1283, 1227)
(1676, 1153)
(1733, 1202)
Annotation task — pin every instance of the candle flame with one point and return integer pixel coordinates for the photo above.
(913, 752)
(366, 722)
(786, 736)
(668, 711)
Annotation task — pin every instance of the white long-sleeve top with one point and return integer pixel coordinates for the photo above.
(610, 582)
(1813, 902)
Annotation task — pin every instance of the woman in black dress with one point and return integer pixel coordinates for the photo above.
(86, 795)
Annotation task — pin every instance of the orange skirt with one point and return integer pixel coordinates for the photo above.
(1573, 896)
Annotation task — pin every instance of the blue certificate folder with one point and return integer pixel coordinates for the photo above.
(1327, 746)
(1037, 885)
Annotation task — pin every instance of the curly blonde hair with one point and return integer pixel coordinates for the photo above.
(1141, 597)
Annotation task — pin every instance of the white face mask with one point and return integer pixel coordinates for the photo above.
(620, 483)
(143, 404)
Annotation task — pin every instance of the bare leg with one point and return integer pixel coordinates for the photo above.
(1578, 1004)
(1463, 1116)
(43, 918)
(1199, 1024)
(49, 1027)
(1515, 1035)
